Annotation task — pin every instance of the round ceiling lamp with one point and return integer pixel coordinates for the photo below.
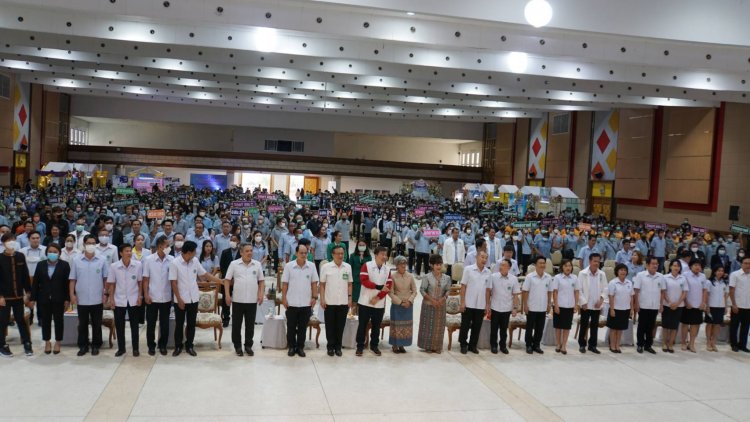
(517, 61)
(538, 13)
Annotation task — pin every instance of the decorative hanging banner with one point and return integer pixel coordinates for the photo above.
(21, 114)
(538, 147)
(604, 147)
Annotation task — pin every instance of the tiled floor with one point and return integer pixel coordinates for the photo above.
(416, 386)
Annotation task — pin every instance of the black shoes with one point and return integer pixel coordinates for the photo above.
(27, 350)
(190, 351)
(119, 353)
(177, 351)
(301, 353)
(745, 349)
(238, 351)
(338, 352)
(6, 353)
(650, 350)
(464, 349)
(376, 351)
(136, 353)
(529, 350)
(82, 351)
(639, 349)
(94, 351)
(474, 350)
(493, 350)
(330, 352)
(291, 352)
(582, 349)
(735, 348)
(163, 351)
(151, 352)
(249, 351)
(225, 323)
(538, 350)
(504, 350)
(359, 352)
(594, 350)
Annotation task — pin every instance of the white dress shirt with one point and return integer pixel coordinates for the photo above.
(33, 256)
(157, 271)
(740, 280)
(300, 280)
(649, 289)
(716, 294)
(566, 286)
(675, 286)
(186, 274)
(538, 288)
(337, 280)
(89, 275)
(477, 282)
(696, 286)
(247, 277)
(622, 292)
(503, 288)
(108, 252)
(593, 288)
(126, 281)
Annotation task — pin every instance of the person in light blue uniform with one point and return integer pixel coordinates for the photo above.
(544, 245)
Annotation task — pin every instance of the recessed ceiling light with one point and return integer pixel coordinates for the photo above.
(410, 13)
(538, 13)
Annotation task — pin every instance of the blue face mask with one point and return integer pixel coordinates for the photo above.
(52, 256)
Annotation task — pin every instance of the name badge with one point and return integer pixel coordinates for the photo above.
(133, 277)
(345, 276)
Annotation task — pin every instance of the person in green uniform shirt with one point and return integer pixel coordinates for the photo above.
(360, 257)
(337, 241)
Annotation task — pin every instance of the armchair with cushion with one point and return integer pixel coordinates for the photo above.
(452, 313)
(208, 312)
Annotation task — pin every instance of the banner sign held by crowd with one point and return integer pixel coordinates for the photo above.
(323, 213)
(488, 212)
(275, 208)
(525, 224)
(654, 226)
(458, 218)
(122, 203)
(738, 228)
(266, 197)
(243, 204)
(156, 214)
(125, 191)
(362, 208)
(432, 233)
(550, 221)
(584, 227)
(699, 230)
(419, 212)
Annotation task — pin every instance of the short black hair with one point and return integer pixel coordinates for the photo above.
(125, 246)
(538, 258)
(161, 240)
(508, 248)
(90, 236)
(435, 259)
(333, 250)
(594, 255)
(380, 249)
(619, 267)
(695, 261)
(189, 246)
(672, 262)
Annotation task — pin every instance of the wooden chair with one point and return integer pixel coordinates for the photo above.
(108, 321)
(609, 272)
(556, 258)
(610, 263)
(314, 323)
(549, 268)
(453, 313)
(576, 270)
(374, 237)
(457, 271)
(208, 312)
(517, 322)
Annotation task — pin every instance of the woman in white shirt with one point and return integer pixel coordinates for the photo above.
(139, 252)
(69, 252)
(718, 290)
(676, 287)
(620, 291)
(565, 289)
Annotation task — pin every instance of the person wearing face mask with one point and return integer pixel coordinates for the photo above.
(319, 245)
(277, 242)
(731, 246)
(136, 229)
(15, 287)
(124, 282)
(80, 233)
(69, 252)
(231, 253)
(695, 304)
(179, 241)
(221, 240)
(697, 253)
(737, 262)
(51, 293)
(291, 244)
(34, 252)
(624, 255)
(721, 259)
(260, 249)
(422, 248)
(157, 294)
(87, 275)
(345, 227)
(454, 251)
(107, 251)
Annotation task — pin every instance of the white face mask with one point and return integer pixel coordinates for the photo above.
(361, 248)
(258, 238)
(694, 249)
(233, 245)
(202, 213)
(167, 250)
(103, 240)
(70, 245)
(90, 248)
(178, 243)
(109, 226)
(11, 245)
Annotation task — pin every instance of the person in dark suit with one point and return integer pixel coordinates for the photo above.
(57, 235)
(51, 292)
(230, 254)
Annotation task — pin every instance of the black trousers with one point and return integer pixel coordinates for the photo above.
(368, 238)
(375, 317)
(646, 323)
(181, 317)
(296, 326)
(471, 320)
(134, 313)
(525, 259)
(534, 328)
(225, 310)
(157, 312)
(422, 261)
(590, 327)
(449, 271)
(47, 312)
(246, 312)
(317, 264)
(335, 321)
(90, 314)
(499, 320)
(16, 305)
(738, 328)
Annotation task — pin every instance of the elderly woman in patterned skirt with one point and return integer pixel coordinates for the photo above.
(434, 289)
(402, 306)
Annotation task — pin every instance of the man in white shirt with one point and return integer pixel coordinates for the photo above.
(34, 252)
(157, 292)
(124, 283)
(537, 295)
(502, 295)
(376, 281)
(594, 291)
(739, 293)
(184, 273)
(474, 305)
(299, 285)
(650, 292)
(494, 248)
(508, 254)
(244, 288)
(454, 251)
(105, 249)
(335, 298)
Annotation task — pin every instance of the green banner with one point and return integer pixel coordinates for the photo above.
(525, 224)
(125, 191)
(121, 203)
(738, 228)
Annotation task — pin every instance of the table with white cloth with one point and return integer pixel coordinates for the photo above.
(627, 336)
(172, 324)
(548, 334)
(273, 335)
(261, 312)
(70, 333)
(484, 334)
(349, 340)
